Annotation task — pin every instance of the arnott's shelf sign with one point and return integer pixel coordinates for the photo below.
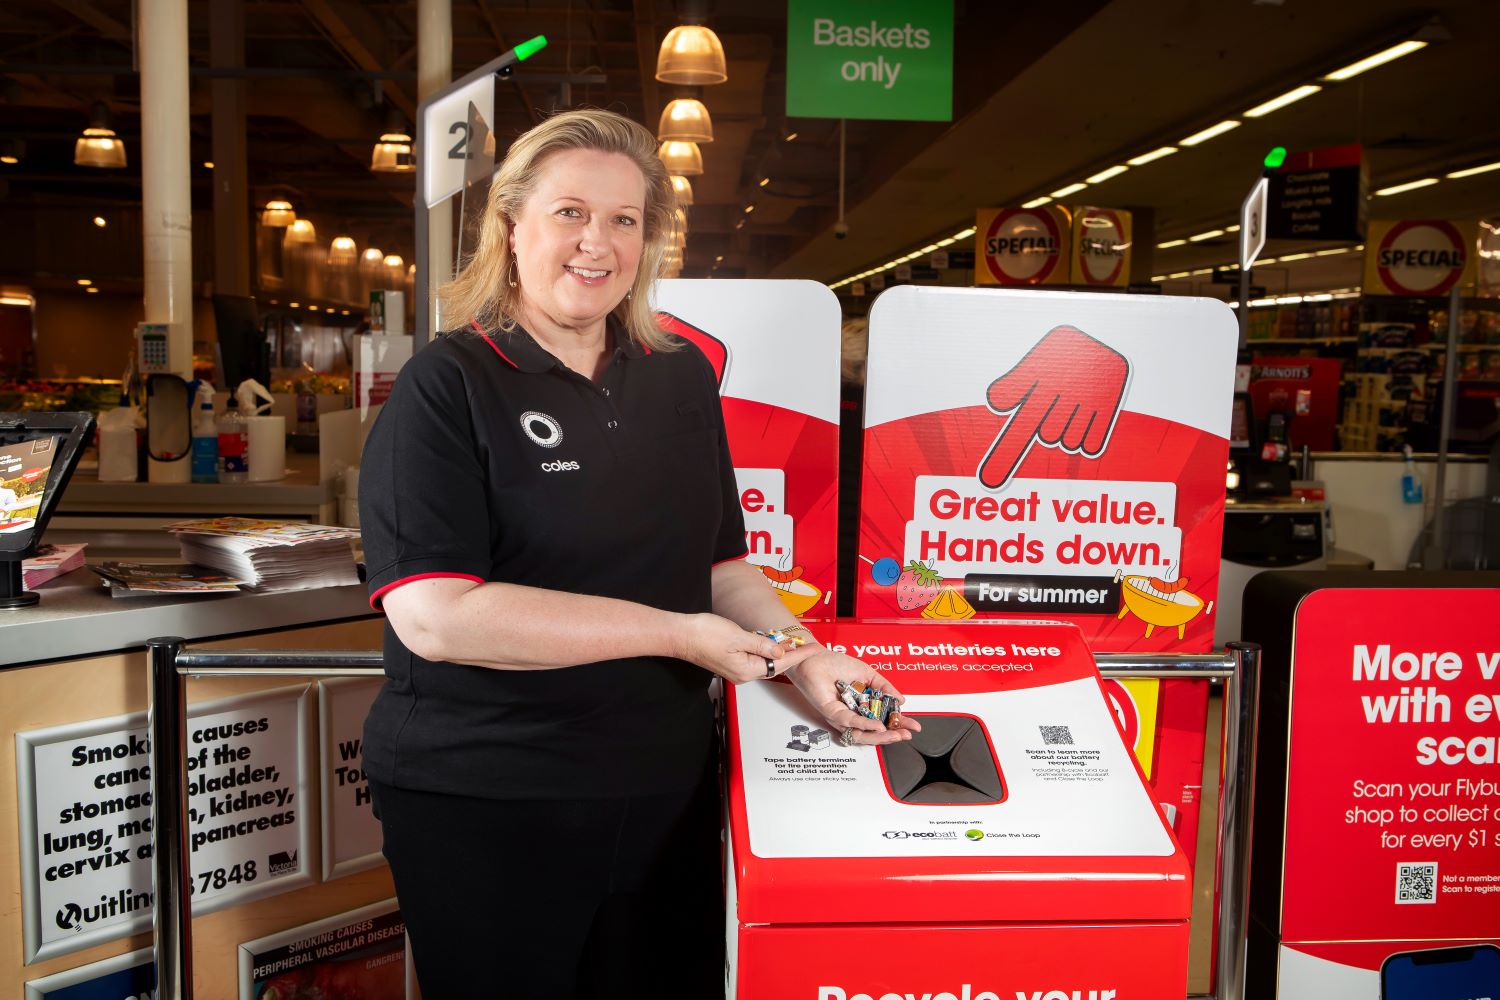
(1419, 256)
(1022, 246)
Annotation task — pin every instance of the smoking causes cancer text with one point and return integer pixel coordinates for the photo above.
(97, 820)
(1044, 525)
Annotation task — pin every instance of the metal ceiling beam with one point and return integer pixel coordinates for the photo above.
(96, 19)
(646, 47)
(348, 41)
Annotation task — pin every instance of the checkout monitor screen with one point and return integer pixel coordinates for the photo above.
(38, 452)
(25, 470)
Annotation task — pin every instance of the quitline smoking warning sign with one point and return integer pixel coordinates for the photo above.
(1047, 453)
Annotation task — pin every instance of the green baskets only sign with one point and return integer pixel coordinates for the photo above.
(870, 59)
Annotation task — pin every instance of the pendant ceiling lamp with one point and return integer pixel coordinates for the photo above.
(301, 231)
(98, 146)
(683, 188)
(342, 251)
(681, 158)
(692, 56)
(278, 214)
(392, 154)
(685, 120)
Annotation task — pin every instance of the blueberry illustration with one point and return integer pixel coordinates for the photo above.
(885, 571)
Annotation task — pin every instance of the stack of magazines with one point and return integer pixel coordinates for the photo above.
(133, 579)
(270, 555)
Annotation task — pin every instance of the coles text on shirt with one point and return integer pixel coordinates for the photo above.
(542, 429)
(560, 466)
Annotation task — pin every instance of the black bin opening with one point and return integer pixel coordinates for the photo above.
(949, 762)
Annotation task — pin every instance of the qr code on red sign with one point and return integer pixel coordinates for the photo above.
(1416, 883)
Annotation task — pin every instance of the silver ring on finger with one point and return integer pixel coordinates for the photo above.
(770, 668)
(847, 737)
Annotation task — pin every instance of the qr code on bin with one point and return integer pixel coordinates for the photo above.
(1057, 735)
(1416, 883)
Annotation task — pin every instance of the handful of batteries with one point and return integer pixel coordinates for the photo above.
(883, 708)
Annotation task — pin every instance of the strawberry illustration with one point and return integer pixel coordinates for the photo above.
(917, 586)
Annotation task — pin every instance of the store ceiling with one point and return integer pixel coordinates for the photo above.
(1045, 94)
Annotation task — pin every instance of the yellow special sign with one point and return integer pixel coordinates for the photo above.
(1101, 247)
(1022, 246)
(1420, 256)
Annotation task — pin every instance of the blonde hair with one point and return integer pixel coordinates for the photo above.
(484, 289)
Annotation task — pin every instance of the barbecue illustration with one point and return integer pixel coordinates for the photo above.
(1159, 603)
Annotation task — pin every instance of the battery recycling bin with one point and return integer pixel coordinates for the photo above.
(1011, 850)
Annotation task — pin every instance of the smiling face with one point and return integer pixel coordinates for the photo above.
(578, 239)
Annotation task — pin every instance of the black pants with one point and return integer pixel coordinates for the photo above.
(585, 899)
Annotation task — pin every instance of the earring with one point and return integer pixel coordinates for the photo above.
(627, 295)
(513, 266)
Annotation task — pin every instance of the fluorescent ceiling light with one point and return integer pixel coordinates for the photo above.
(1155, 154)
(1206, 236)
(1378, 59)
(1330, 253)
(1408, 186)
(1293, 256)
(1471, 171)
(928, 248)
(1159, 277)
(1105, 175)
(1232, 229)
(1290, 97)
(1037, 202)
(1201, 270)
(1178, 274)
(1210, 132)
(1063, 192)
(964, 234)
(1170, 244)
(948, 242)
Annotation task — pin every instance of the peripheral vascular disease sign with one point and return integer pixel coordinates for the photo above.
(1047, 453)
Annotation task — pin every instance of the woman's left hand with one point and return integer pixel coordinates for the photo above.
(813, 670)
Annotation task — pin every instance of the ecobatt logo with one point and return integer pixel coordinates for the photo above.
(967, 993)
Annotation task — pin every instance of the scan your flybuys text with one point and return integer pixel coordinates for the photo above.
(874, 35)
(966, 992)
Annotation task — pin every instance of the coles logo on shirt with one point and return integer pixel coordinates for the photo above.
(542, 428)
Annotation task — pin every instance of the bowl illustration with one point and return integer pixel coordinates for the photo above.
(797, 594)
(1158, 603)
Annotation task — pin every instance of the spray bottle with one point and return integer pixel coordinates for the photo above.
(234, 445)
(205, 436)
(1411, 483)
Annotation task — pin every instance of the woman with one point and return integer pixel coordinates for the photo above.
(551, 526)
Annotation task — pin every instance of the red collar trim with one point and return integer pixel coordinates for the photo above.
(494, 346)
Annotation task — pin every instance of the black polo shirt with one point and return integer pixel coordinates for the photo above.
(491, 461)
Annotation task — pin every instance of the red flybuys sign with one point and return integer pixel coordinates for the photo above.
(1407, 826)
(1048, 454)
(774, 348)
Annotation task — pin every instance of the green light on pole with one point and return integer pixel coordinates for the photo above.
(1275, 158)
(530, 47)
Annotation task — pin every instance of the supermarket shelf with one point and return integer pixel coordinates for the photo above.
(1256, 341)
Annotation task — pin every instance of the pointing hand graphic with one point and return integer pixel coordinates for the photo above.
(1065, 393)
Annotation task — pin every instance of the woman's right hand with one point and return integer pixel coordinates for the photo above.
(721, 647)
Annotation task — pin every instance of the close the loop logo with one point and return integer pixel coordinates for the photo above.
(542, 429)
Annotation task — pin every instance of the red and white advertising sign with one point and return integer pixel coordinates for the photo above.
(1393, 795)
(1305, 390)
(1022, 246)
(1419, 256)
(1101, 247)
(1049, 454)
(775, 347)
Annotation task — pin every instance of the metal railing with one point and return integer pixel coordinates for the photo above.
(171, 879)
